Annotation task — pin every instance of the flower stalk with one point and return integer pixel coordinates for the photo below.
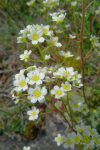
(81, 48)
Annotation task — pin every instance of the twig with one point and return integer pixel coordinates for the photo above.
(90, 4)
(61, 113)
(89, 54)
(65, 107)
(81, 46)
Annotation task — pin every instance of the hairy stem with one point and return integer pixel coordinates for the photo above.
(62, 114)
(81, 46)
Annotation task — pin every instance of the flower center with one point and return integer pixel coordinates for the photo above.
(68, 141)
(45, 31)
(77, 139)
(76, 106)
(26, 56)
(35, 37)
(37, 94)
(22, 83)
(34, 113)
(60, 139)
(59, 92)
(86, 139)
(67, 87)
(35, 78)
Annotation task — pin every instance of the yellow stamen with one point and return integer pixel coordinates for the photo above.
(35, 37)
(35, 78)
(37, 94)
(22, 83)
(59, 92)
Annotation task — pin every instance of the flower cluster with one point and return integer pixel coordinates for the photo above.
(58, 16)
(32, 81)
(85, 136)
(38, 34)
(70, 75)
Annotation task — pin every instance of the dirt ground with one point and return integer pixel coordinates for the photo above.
(44, 140)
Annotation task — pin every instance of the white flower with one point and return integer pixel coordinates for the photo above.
(54, 42)
(47, 57)
(84, 109)
(36, 35)
(58, 17)
(30, 2)
(98, 11)
(76, 106)
(51, 3)
(20, 82)
(43, 70)
(66, 54)
(67, 86)
(35, 77)
(80, 128)
(60, 72)
(69, 142)
(37, 94)
(24, 34)
(25, 31)
(33, 114)
(68, 25)
(74, 3)
(69, 73)
(65, 72)
(72, 139)
(72, 36)
(78, 58)
(76, 138)
(46, 30)
(25, 55)
(95, 41)
(77, 83)
(19, 39)
(86, 140)
(58, 92)
(59, 139)
(77, 76)
(93, 132)
(26, 148)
